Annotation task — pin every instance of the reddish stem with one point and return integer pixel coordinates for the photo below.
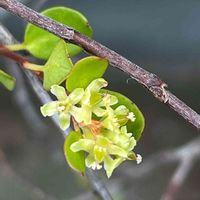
(17, 58)
(13, 56)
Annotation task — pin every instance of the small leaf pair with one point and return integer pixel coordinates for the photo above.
(60, 67)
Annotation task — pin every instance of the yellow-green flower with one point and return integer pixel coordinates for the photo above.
(92, 102)
(99, 149)
(102, 124)
(109, 149)
(115, 118)
(64, 106)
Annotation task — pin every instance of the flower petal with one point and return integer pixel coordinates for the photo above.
(82, 114)
(97, 84)
(102, 141)
(132, 144)
(89, 161)
(76, 96)
(99, 112)
(111, 124)
(82, 145)
(124, 130)
(86, 97)
(132, 156)
(110, 164)
(59, 92)
(64, 120)
(115, 150)
(95, 98)
(121, 110)
(86, 114)
(49, 109)
(109, 100)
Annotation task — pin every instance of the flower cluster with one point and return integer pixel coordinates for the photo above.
(104, 132)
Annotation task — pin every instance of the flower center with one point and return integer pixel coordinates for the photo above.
(65, 106)
(95, 127)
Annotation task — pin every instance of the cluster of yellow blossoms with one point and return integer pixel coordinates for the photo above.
(104, 132)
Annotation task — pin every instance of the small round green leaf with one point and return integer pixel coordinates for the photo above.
(57, 67)
(76, 160)
(85, 71)
(137, 126)
(40, 43)
(7, 80)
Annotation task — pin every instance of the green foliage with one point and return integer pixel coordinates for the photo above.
(137, 126)
(57, 67)
(40, 43)
(85, 71)
(108, 123)
(76, 160)
(7, 80)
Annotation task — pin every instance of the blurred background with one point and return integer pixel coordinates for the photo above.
(161, 36)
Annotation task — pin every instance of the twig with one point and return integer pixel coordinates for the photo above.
(21, 94)
(177, 180)
(34, 191)
(99, 189)
(12, 55)
(97, 185)
(185, 156)
(152, 82)
(187, 152)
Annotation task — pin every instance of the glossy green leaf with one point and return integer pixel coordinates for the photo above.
(76, 160)
(7, 80)
(40, 43)
(57, 67)
(137, 126)
(85, 71)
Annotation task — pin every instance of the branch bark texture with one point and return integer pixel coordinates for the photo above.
(149, 80)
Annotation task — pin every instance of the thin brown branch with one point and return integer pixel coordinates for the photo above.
(13, 56)
(177, 180)
(184, 156)
(21, 60)
(149, 80)
(9, 172)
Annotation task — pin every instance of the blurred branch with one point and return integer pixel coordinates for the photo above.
(21, 94)
(152, 82)
(187, 153)
(177, 180)
(97, 186)
(35, 192)
(186, 157)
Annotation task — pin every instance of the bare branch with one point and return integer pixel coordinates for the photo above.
(152, 82)
(188, 152)
(177, 180)
(34, 191)
(185, 156)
